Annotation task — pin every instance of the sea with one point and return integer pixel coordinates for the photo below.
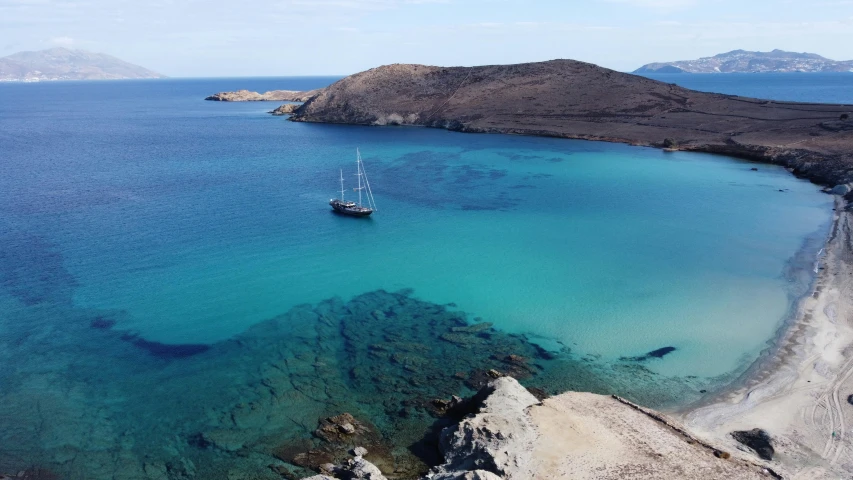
(178, 300)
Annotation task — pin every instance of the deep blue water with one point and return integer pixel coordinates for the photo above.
(175, 294)
(794, 87)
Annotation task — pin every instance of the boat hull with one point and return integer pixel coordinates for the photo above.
(351, 209)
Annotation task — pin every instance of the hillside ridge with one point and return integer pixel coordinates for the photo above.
(572, 99)
(743, 61)
(68, 64)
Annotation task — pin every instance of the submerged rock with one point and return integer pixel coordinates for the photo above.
(32, 474)
(756, 439)
(462, 339)
(659, 353)
(843, 189)
(102, 323)
(341, 428)
(312, 459)
(475, 328)
(166, 351)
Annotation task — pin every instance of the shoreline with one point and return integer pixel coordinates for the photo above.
(798, 393)
(577, 100)
(771, 356)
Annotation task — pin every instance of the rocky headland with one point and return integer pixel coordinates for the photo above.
(271, 96)
(286, 109)
(571, 99)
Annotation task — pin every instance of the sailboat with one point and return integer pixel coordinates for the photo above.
(353, 208)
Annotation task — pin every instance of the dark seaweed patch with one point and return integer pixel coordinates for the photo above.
(166, 350)
(101, 323)
(659, 353)
(383, 357)
(32, 270)
(516, 157)
(442, 180)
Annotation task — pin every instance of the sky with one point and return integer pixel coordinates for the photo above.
(218, 38)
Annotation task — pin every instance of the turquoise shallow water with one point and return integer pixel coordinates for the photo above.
(577, 242)
(137, 208)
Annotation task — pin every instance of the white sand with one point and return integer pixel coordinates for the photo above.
(799, 396)
(586, 436)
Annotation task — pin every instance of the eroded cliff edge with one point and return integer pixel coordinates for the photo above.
(571, 436)
(571, 99)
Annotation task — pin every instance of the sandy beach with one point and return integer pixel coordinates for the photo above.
(799, 395)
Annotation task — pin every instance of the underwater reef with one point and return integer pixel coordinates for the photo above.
(84, 398)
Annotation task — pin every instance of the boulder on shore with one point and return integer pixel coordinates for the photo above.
(286, 109)
(842, 189)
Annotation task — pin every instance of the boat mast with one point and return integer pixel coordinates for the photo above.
(342, 185)
(358, 167)
(370, 200)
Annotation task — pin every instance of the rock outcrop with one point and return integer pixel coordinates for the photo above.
(271, 96)
(356, 468)
(499, 439)
(570, 99)
(286, 109)
(756, 439)
(570, 436)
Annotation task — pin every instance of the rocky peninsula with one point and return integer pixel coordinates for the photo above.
(286, 109)
(571, 99)
(271, 96)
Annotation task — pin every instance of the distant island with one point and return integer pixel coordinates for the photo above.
(742, 61)
(66, 64)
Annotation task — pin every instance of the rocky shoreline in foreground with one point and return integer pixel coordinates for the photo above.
(510, 434)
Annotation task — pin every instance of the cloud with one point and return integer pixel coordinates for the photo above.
(657, 4)
(357, 4)
(63, 41)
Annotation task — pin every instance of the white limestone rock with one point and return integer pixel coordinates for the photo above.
(499, 439)
(472, 475)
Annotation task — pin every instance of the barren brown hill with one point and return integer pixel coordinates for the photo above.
(570, 99)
